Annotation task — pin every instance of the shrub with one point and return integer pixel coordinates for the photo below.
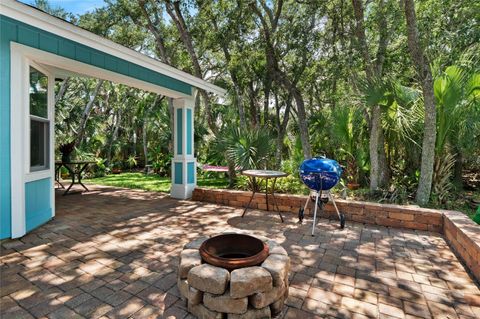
(476, 217)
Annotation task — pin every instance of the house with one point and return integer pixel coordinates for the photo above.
(37, 48)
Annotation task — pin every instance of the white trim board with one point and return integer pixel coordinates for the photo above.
(17, 149)
(20, 138)
(42, 20)
(64, 67)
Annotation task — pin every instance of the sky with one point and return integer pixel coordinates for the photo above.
(73, 6)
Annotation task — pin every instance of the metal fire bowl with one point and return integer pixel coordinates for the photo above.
(233, 251)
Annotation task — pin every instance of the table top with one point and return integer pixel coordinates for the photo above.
(75, 162)
(262, 173)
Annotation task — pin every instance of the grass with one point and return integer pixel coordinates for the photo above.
(151, 182)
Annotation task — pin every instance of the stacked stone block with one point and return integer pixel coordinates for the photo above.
(250, 293)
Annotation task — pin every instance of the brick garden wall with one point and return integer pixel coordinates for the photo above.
(462, 233)
(411, 217)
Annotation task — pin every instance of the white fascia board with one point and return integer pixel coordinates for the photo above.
(64, 67)
(44, 21)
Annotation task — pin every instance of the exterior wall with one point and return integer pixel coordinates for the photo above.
(38, 205)
(461, 233)
(15, 31)
(6, 31)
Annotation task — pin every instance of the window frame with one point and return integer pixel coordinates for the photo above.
(46, 145)
(33, 173)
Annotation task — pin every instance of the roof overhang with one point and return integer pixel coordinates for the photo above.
(42, 20)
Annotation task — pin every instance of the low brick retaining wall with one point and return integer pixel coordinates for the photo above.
(462, 233)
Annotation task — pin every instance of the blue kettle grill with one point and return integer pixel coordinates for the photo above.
(320, 174)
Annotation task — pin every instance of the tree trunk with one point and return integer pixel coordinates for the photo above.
(384, 171)
(173, 10)
(114, 136)
(281, 129)
(232, 174)
(63, 89)
(144, 140)
(425, 75)
(237, 97)
(373, 147)
(379, 170)
(458, 169)
(239, 104)
(302, 124)
(280, 76)
(266, 100)
(86, 113)
(253, 105)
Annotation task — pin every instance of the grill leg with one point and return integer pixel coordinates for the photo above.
(315, 214)
(335, 205)
(341, 217)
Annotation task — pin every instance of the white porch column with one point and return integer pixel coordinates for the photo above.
(184, 164)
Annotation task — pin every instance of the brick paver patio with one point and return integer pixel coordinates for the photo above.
(113, 253)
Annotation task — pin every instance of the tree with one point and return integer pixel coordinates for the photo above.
(424, 74)
(175, 12)
(86, 113)
(379, 171)
(269, 20)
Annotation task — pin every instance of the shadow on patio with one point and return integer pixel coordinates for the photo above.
(113, 253)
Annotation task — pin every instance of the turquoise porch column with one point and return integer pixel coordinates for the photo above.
(184, 172)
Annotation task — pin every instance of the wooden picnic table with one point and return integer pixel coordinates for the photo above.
(75, 168)
(263, 175)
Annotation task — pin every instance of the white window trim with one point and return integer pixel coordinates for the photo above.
(36, 171)
(20, 136)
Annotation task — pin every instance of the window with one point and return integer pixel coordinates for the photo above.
(39, 121)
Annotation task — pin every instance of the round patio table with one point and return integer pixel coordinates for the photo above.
(263, 175)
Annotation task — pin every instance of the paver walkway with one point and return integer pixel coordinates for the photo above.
(113, 253)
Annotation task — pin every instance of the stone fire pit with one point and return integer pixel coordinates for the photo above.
(251, 292)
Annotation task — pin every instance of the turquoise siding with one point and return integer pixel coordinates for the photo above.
(7, 33)
(179, 173)
(179, 131)
(191, 172)
(189, 131)
(38, 205)
(15, 31)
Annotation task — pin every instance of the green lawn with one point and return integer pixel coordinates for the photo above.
(152, 182)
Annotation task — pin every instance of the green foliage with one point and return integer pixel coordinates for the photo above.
(248, 149)
(132, 161)
(100, 169)
(161, 164)
(476, 217)
(455, 92)
(317, 51)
